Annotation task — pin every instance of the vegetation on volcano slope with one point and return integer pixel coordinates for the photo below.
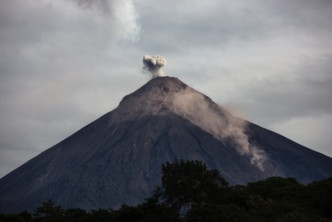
(191, 192)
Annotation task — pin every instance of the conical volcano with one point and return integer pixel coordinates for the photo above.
(117, 158)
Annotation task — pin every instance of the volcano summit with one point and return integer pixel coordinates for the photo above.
(117, 158)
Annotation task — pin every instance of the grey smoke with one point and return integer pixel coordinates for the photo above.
(122, 14)
(219, 122)
(153, 64)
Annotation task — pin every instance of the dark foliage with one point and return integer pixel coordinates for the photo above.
(48, 211)
(189, 183)
(206, 196)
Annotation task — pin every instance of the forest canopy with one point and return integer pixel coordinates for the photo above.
(190, 192)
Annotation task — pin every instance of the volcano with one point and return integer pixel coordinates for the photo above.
(117, 158)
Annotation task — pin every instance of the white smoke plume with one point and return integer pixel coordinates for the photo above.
(122, 14)
(153, 64)
(220, 123)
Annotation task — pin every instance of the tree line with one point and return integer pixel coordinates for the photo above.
(190, 192)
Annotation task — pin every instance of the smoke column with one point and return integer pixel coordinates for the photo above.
(153, 64)
(121, 13)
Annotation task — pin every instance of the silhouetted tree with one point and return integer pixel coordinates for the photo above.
(318, 197)
(101, 215)
(189, 183)
(155, 211)
(277, 188)
(75, 215)
(216, 213)
(210, 199)
(49, 211)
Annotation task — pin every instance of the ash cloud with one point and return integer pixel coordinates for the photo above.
(219, 122)
(153, 65)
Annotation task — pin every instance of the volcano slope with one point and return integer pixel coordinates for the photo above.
(117, 158)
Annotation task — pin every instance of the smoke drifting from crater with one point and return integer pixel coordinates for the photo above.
(153, 64)
(212, 118)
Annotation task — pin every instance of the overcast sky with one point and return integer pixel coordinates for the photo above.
(65, 63)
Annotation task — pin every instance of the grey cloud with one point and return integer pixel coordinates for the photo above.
(57, 72)
(101, 5)
(215, 26)
(308, 93)
(219, 25)
(301, 14)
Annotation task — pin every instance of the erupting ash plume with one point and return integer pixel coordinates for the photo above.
(153, 64)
